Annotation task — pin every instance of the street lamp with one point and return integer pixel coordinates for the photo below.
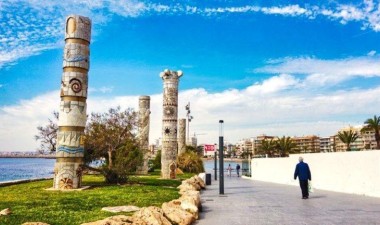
(221, 158)
(215, 163)
(189, 118)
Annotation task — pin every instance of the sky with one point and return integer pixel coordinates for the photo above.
(292, 68)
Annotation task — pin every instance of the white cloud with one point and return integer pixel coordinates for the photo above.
(248, 112)
(346, 13)
(35, 26)
(128, 8)
(291, 10)
(242, 9)
(366, 12)
(325, 72)
(371, 53)
(274, 85)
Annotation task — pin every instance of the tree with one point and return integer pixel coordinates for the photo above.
(285, 145)
(127, 158)
(348, 137)
(200, 150)
(245, 153)
(373, 125)
(109, 131)
(267, 147)
(157, 160)
(47, 135)
(110, 136)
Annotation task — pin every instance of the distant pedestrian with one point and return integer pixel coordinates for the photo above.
(304, 175)
(238, 169)
(229, 169)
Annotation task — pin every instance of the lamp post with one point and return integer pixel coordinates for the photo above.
(249, 164)
(221, 158)
(189, 118)
(215, 164)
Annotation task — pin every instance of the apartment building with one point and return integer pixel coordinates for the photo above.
(313, 143)
(307, 144)
(244, 145)
(325, 144)
(369, 140)
(257, 141)
(366, 140)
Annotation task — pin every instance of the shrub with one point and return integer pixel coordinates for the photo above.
(190, 162)
(157, 160)
(127, 158)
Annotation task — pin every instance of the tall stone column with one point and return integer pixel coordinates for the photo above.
(144, 116)
(72, 111)
(181, 136)
(169, 123)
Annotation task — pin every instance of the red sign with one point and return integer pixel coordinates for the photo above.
(209, 148)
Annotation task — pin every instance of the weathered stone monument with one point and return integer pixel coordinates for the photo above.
(72, 111)
(169, 123)
(144, 116)
(181, 136)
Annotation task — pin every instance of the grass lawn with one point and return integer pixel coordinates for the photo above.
(29, 202)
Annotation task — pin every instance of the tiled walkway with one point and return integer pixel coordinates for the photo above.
(252, 202)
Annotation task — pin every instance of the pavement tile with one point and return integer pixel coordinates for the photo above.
(249, 202)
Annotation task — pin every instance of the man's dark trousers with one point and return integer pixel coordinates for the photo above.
(304, 187)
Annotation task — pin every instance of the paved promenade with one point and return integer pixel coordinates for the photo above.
(253, 202)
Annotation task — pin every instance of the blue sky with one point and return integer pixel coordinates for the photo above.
(274, 67)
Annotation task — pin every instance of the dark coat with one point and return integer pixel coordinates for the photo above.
(302, 171)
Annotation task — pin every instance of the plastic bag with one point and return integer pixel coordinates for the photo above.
(311, 188)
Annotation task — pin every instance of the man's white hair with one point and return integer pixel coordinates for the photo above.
(300, 159)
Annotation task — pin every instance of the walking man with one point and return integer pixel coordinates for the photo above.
(229, 169)
(238, 170)
(304, 175)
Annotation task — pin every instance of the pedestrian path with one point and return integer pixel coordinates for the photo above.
(249, 202)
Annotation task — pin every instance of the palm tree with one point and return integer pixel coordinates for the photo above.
(267, 147)
(348, 137)
(373, 125)
(285, 146)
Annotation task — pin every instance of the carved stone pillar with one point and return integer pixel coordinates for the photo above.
(144, 116)
(72, 111)
(181, 136)
(169, 123)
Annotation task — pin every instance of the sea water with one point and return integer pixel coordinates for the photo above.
(209, 165)
(29, 168)
(25, 168)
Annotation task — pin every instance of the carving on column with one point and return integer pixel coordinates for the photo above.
(74, 84)
(144, 114)
(169, 123)
(78, 27)
(76, 55)
(66, 183)
(72, 111)
(66, 176)
(172, 167)
(70, 142)
(181, 136)
(79, 173)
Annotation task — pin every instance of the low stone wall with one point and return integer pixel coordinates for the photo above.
(182, 211)
(347, 172)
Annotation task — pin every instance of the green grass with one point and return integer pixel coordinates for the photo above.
(29, 202)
